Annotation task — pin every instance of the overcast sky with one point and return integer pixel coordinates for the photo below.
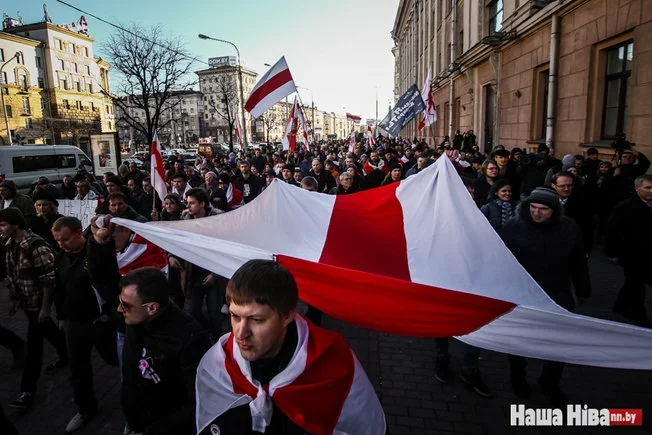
(340, 49)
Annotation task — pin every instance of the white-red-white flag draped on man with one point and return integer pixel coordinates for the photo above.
(370, 136)
(157, 171)
(275, 85)
(290, 135)
(430, 114)
(238, 132)
(422, 237)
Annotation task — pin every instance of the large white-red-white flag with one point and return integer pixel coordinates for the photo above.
(275, 85)
(157, 172)
(238, 132)
(291, 128)
(370, 136)
(430, 114)
(442, 254)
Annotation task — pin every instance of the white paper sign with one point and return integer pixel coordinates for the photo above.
(82, 210)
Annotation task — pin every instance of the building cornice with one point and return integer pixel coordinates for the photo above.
(19, 39)
(400, 14)
(209, 71)
(52, 27)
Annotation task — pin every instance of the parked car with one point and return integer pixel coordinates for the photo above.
(139, 163)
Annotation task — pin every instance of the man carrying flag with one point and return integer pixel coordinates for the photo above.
(370, 136)
(277, 372)
(157, 172)
(290, 136)
(430, 115)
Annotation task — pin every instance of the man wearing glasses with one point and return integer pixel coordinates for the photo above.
(163, 346)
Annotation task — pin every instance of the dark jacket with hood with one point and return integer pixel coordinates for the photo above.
(551, 252)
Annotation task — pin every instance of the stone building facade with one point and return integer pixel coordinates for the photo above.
(74, 82)
(571, 74)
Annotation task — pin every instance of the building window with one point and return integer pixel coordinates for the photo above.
(91, 107)
(495, 16)
(20, 58)
(2, 55)
(26, 107)
(78, 104)
(58, 44)
(90, 88)
(616, 91)
(38, 62)
(66, 104)
(8, 110)
(41, 83)
(64, 83)
(86, 51)
(62, 65)
(540, 102)
(74, 67)
(3, 78)
(88, 70)
(78, 86)
(28, 122)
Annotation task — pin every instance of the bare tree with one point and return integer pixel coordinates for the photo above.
(226, 103)
(271, 120)
(153, 69)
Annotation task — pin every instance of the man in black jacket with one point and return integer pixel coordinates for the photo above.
(79, 308)
(163, 346)
(576, 205)
(628, 239)
(549, 247)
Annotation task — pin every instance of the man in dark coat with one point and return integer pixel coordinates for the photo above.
(629, 238)
(576, 204)
(549, 246)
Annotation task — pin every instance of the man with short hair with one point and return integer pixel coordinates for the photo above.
(134, 174)
(31, 272)
(629, 241)
(198, 205)
(78, 305)
(119, 207)
(84, 191)
(421, 164)
(549, 247)
(297, 175)
(247, 183)
(325, 180)
(576, 205)
(287, 175)
(43, 185)
(309, 184)
(162, 348)
(180, 185)
(375, 169)
(265, 376)
(194, 180)
(259, 160)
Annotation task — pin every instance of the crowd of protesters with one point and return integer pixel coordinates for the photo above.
(549, 212)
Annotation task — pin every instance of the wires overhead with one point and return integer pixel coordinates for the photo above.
(194, 59)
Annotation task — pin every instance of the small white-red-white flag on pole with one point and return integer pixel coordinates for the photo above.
(275, 85)
(370, 136)
(157, 172)
(353, 118)
(238, 132)
(430, 114)
(290, 136)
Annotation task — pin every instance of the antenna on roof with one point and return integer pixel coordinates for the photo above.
(46, 16)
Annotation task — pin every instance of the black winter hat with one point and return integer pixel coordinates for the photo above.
(43, 195)
(545, 196)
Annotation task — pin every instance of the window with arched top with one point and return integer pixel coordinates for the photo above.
(22, 78)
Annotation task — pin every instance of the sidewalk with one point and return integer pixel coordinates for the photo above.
(402, 372)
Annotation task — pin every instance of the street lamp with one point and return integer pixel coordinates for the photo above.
(2, 94)
(242, 102)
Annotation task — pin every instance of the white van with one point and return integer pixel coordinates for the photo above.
(23, 164)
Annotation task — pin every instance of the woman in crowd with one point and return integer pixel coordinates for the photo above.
(489, 174)
(172, 208)
(500, 207)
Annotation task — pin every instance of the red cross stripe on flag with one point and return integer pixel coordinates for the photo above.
(415, 258)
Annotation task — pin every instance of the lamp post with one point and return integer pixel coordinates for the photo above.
(2, 95)
(242, 102)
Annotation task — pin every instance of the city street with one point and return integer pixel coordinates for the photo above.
(402, 372)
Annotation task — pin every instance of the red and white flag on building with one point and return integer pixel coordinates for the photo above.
(275, 85)
(157, 172)
(238, 132)
(430, 114)
(426, 240)
(353, 118)
(370, 136)
(348, 402)
(291, 128)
